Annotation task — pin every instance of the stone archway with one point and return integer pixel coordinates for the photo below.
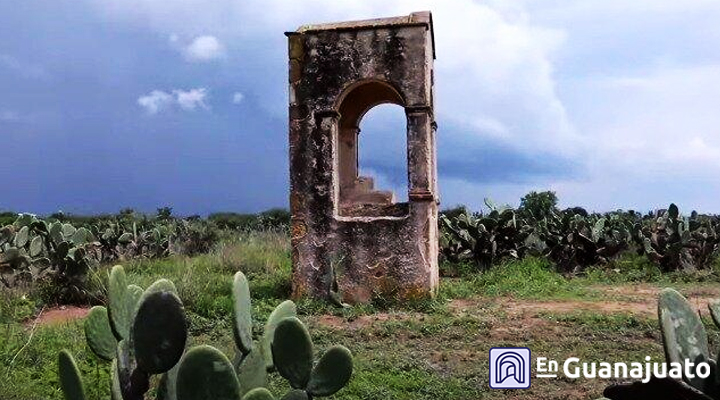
(348, 239)
(353, 105)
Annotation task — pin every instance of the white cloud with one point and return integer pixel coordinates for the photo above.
(202, 48)
(622, 87)
(159, 100)
(493, 63)
(156, 101)
(237, 98)
(191, 99)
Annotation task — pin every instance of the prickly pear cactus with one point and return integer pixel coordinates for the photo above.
(120, 313)
(70, 380)
(293, 357)
(143, 333)
(99, 334)
(259, 394)
(115, 385)
(205, 373)
(285, 340)
(242, 317)
(286, 309)
(159, 332)
(714, 307)
(684, 336)
(293, 352)
(253, 360)
(331, 373)
(251, 370)
(684, 340)
(296, 394)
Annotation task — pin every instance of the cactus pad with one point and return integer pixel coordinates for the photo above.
(68, 230)
(21, 238)
(36, 246)
(161, 285)
(332, 372)
(251, 372)
(242, 317)
(205, 373)
(99, 334)
(714, 306)
(132, 297)
(120, 315)
(292, 352)
(167, 389)
(62, 249)
(70, 380)
(159, 332)
(296, 395)
(125, 238)
(115, 386)
(684, 336)
(284, 310)
(259, 394)
(56, 232)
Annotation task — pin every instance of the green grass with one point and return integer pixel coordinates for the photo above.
(28, 362)
(429, 349)
(633, 268)
(530, 278)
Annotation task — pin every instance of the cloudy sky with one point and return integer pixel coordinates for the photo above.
(145, 103)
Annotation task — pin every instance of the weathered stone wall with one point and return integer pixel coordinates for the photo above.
(361, 250)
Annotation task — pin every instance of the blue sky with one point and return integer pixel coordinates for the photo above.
(146, 103)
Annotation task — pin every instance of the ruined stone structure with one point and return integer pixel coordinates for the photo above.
(349, 240)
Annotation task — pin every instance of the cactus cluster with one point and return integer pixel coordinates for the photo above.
(567, 238)
(574, 239)
(684, 341)
(31, 248)
(143, 333)
(285, 347)
(676, 242)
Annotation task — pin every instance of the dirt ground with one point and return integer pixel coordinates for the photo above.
(58, 315)
(616, 323)
(452, 345)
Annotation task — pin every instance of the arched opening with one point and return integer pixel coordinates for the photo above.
(382, 149)
(359, 194)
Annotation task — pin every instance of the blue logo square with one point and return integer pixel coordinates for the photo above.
(510, 368)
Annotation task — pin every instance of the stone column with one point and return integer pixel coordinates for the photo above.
(348, 155)
(420, 154)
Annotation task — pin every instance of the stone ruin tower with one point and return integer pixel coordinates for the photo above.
(350, 241)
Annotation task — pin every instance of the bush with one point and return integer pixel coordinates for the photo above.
(538, 205)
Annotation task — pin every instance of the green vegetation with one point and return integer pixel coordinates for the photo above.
(686, 344)
(397, 350)
(510, 277)
(574, 240)
(144, 333)
(61, 250)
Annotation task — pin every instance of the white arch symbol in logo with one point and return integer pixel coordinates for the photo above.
(510, 364)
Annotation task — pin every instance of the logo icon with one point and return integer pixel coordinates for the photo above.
(509, 368)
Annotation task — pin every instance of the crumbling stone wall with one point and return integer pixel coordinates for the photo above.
(349, 240)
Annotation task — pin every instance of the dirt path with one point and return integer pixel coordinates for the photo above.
(58, 315)
(639, 299)
(631, 299)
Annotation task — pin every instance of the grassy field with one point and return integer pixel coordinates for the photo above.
(435, 349)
